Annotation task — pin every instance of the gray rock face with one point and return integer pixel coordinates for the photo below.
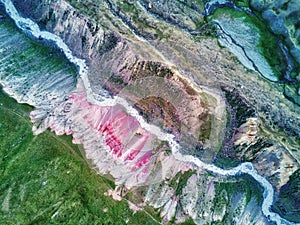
(115, 55)
(65, 110)
(185, 14)
(241, 39)
(197, 60)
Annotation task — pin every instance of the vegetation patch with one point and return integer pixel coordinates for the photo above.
(45, 180)
(180, 180)
(268, 43)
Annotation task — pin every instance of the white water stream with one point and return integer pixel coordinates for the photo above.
(32, 28)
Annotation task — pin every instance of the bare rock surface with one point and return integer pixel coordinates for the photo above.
(176, 82)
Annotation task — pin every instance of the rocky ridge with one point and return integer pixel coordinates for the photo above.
(111, 50)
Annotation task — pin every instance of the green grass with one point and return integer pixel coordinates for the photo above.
(45, 180)
(180, 180)
(246, 185)
(224, 161)
(242, 3)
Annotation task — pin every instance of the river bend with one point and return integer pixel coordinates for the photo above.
(31, 28)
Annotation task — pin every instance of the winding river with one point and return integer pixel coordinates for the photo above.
(31, 28)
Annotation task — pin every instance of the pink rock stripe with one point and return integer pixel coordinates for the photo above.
(117, 127)
(113, 140)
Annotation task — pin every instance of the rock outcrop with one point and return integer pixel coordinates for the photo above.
(174, 81)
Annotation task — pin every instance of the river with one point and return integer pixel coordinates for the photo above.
(32, 29)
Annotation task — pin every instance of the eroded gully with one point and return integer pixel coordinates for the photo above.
(31, 28)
